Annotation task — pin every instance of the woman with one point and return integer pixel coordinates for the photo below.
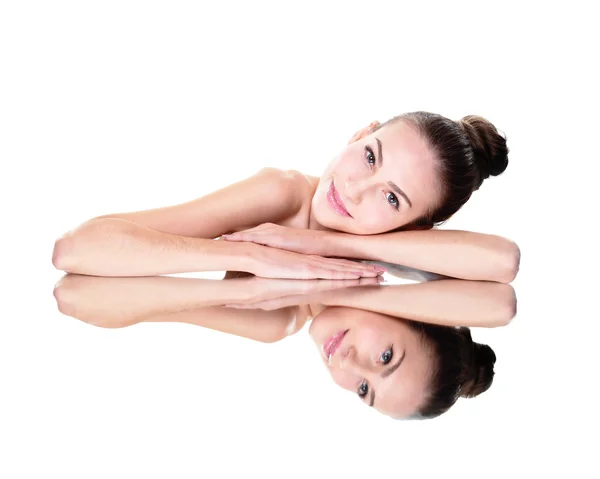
(404, 369)
(377, 200)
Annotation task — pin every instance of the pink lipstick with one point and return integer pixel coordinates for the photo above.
(332, 344)
(335, 201)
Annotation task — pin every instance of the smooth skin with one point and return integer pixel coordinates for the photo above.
(374, 316)
(292, 232)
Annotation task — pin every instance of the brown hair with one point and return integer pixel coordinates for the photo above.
(461, 367)
(468, 152)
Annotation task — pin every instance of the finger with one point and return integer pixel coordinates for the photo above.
(243, 237)
(351, 268)
(232, 237)
(342, 283)
(319, 285)
(269, 304)
(370, 281)
(333, 273)
(366, 267)
(355, 265)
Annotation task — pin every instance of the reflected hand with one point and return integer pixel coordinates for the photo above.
(299, 240)
(257, 290)
(317, 293)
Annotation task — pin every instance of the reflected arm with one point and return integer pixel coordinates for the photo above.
(120, 302)
(447, 302)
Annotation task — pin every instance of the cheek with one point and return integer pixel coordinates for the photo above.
(345, 380)
(326, 324)
(373, 215)
(348, 164)
(371, 338)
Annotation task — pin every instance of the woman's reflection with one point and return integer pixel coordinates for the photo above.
(405, 350)
(401, 368)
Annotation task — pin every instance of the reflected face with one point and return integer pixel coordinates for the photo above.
(379, 358)
(379, 182)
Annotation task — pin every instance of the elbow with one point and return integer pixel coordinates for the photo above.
(62, 253)
(64, 296)
(510, 261)
(506, 306)
(513, 262)
(74, 246)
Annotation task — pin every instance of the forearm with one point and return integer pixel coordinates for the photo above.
(120, 302)
(458, 254)
(446, 302)
(115, 247)
(140, 298)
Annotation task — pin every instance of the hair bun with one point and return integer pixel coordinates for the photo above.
(481, 372)
(489, 147)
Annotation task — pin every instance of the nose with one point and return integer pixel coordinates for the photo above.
(355, 189)
(355, 364)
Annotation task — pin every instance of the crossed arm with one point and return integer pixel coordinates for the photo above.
(458, 254)
(180, 238)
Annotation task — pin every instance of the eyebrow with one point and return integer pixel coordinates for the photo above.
(385, 374)
(393, 185)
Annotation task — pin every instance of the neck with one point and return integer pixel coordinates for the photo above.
(313, 224)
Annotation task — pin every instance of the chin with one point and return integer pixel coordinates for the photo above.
(314, 327)
(321, 324)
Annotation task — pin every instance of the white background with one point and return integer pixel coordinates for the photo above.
(118, 105)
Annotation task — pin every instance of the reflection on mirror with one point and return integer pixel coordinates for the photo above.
(404, 349)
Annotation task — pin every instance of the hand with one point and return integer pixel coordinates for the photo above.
(276, 263)
(315, 291)
(255, 289)
(299, 240)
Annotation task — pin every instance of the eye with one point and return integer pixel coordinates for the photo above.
(370, 156)
(363, 389)
(387, 356)
(393, 200)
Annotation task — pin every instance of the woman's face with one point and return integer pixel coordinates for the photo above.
(379, 358)
(382, 180)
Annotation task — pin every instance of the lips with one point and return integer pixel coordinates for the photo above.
(336, 202)
(333, 343)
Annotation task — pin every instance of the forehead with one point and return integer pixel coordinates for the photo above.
(408, 161)
(402, 393)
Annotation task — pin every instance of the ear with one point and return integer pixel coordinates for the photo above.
(364, 132)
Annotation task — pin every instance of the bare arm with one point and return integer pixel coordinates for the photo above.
(448, 302)
(116, 247)
(178, 239)
(174, 239)
(121, 302)
(237, 206)
(458, 254)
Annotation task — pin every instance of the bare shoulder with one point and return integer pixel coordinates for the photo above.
(298, 185)
(270, 195)
(291, 186)
(306, 184)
